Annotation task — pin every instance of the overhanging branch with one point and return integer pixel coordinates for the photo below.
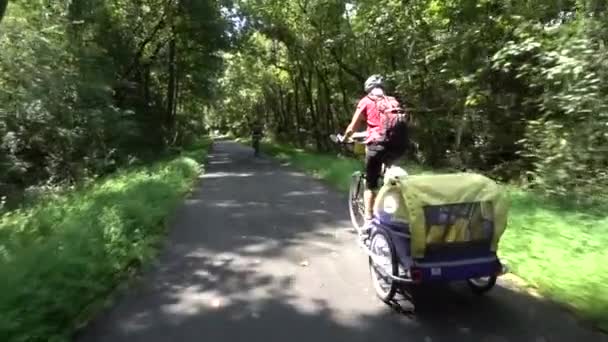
(142, 46)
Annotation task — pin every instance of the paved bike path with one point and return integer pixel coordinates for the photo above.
(260, 252)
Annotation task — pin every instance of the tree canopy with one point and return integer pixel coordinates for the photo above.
(514, 88)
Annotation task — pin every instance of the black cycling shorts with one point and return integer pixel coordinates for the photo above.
(375, 155)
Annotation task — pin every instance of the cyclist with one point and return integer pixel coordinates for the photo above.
(256, 136)
(378, 150)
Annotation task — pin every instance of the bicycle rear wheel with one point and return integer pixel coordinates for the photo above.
(356, 205)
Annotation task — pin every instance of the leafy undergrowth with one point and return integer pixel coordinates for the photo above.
(60, 259)
(560, 249)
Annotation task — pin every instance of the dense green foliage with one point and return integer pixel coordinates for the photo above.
(555, 248)
(514, 88)
(88, 86)
(60, 259)
(96, 97)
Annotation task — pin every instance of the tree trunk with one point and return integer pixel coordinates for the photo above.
(3, 5)
(345, 105)
(147, 97)
(328, 105)
(299, 122)
(171, 90)
(311, 104)
(287, 122)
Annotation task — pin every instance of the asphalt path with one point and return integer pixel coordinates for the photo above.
(261, 252)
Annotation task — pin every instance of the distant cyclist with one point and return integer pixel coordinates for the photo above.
(386, 135)
(256, 136)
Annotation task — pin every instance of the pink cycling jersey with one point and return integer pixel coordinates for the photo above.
(372, 117)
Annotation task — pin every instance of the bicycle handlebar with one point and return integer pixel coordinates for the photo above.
(339, 138)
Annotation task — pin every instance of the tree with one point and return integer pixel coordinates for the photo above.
(93, 85)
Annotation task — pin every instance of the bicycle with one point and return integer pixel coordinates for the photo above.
(356, 205)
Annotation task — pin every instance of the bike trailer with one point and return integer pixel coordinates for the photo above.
(444, 227)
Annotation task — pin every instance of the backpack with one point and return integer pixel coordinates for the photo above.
(393, 122)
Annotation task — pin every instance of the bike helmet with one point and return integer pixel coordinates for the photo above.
(372, 82)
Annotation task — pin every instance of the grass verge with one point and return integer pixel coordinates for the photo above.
(559, 249)
(61, 258)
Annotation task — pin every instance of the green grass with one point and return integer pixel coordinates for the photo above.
(62, 258)
(561, 251)
(557, 248)
(329, 167)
